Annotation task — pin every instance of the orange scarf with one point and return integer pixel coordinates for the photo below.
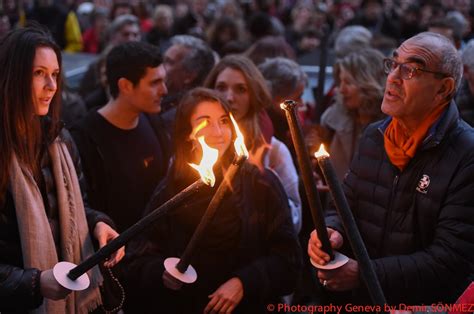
(399, 146)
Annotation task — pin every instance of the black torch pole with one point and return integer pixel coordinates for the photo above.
(134, 230)
(306, 172)
(323, 56)
(216, 200)
(367, 271)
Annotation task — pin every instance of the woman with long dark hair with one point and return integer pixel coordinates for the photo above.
(42, 214)
(249, 254)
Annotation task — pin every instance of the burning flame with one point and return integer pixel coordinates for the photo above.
(200, 126)
(321, 152)
(209, 158)
(239, 143)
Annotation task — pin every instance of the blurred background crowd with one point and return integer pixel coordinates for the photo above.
(299, 30)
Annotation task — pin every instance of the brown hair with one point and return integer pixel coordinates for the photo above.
(259, 96)
(270, 47)
(184, 153)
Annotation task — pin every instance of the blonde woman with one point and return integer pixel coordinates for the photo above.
(359, 95)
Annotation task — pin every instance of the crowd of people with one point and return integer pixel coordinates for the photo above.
(80, 167)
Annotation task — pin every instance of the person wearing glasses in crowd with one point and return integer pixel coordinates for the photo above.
(410, 185)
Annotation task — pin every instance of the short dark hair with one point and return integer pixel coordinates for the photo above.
(130, 61)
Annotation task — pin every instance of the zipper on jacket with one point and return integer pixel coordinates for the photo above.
(387, 217)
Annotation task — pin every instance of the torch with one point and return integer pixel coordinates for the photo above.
(181, 268)
(368, 273)
(337, 259)
(75, 278)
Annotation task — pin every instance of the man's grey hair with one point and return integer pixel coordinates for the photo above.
(467, 55)
(350, 39)
(283, 75)
(458, 23)
(122, 20)
(450, 59)
(200, 57)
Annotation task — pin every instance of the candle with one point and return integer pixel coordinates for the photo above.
(368, 273)
(306, 172)
(226, 183)
(131, 232)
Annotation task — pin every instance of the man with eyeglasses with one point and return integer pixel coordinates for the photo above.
(411, 185)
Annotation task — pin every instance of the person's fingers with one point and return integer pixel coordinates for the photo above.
(314, 239)
(210, 305)
(336, 239)
(115, 258)
(324, 275)
(316, 254)
(314, 249)
(217, 307)
(322, 187)
(227, 307)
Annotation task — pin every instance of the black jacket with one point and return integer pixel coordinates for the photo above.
(417, 224)
(19, 287)
(265, 256)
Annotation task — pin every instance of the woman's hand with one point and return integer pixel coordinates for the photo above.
(226, 298)
(104, 234)
(50, 288)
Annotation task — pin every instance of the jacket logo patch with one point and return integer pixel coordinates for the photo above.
(423, 184)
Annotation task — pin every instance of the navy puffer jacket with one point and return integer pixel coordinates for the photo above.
(417, 224)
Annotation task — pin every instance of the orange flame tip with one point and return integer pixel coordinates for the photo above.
(239, 143)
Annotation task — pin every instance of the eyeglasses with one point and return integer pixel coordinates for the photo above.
(406, 71)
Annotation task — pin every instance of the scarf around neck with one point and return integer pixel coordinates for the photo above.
(400, 146)
(38, 247)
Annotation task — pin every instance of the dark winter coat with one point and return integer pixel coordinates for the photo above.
(417, 224)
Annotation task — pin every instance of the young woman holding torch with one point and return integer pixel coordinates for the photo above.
(249, 254)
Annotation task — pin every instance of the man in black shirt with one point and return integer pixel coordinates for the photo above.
(123, 146)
